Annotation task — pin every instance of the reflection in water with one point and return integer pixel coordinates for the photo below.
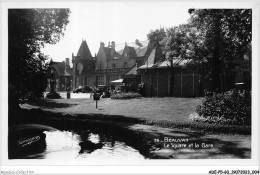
(89, 146)
(66, 145)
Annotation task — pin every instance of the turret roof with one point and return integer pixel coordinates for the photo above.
(84, 52)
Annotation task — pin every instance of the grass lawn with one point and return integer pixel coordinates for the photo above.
(154, 112)
(170, 109)
(164, 112)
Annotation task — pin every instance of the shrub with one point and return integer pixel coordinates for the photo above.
(123, 96)
(231, 107)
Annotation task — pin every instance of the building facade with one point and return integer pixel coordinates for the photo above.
(140, 63)
(109, 64)
(62, 74)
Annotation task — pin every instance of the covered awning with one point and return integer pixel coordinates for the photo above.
(117, 81)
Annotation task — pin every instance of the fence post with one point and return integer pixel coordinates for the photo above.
(169, 81)
(193, 83)
(181, 82)
(157, 84)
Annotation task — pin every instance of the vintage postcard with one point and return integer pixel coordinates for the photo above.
(130, 83)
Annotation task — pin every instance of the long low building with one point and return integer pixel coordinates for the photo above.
(156, 77)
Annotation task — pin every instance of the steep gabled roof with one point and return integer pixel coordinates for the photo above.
(139, 47)
(129, 51)
(150, 60)
(132, 70)
(134, 49)
(59, 67)
(84, 52)
(153, 57)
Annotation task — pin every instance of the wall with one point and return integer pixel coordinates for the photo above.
(120, 62)
(101, 59)
(157, 83)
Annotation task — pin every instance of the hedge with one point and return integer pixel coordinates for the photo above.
(232, 107)
(124, 96)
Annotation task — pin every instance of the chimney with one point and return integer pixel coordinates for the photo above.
(113, 45)
(67, 61)
(63, 63)
(102, 44)
(112, 49)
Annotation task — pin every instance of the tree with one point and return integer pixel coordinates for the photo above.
(156, 35)
(174, 43)
(224, 33)
(156, 38)
(173, 47)
(28, 31)
(177, 43)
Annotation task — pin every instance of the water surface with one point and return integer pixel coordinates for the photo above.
(68, 144)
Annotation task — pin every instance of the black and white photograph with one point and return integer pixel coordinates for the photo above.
(120, 82)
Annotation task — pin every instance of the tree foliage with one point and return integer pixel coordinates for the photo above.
(28, 31)
(156, 35)
(177, 42)
(231, 107)
(212, 39)
(224, 32)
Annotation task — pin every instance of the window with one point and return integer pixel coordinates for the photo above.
(100, 66)
(113, 65)
(125, 64)
(100, 80)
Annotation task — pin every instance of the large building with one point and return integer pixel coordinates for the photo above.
(110, 63)
(136, 62)
(141, 63)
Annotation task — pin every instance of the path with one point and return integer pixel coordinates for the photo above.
(211, 146)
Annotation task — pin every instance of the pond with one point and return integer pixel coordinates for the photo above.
(91, 142)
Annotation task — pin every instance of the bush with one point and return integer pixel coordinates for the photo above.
(231, 107)
(123, 96)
